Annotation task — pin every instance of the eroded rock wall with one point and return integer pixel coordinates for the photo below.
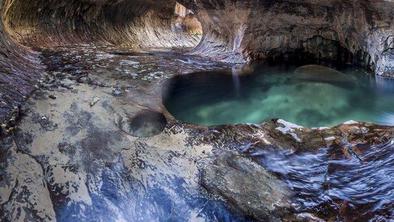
(357, 31)
(137, 23)
(19, 71)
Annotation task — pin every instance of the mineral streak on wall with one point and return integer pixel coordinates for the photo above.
(19, 71)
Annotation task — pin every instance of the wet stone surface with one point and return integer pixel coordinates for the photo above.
(96, 144)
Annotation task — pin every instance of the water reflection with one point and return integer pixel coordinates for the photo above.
(384, 84)
(236, 81)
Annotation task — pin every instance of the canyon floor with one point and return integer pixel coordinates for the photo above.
(95, 143)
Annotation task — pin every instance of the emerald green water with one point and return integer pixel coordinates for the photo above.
(311, 96)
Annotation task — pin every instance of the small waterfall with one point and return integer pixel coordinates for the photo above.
(237, 70)
(240, 70)
(384, 84)
(238, 38)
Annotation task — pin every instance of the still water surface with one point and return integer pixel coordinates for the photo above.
(310, 96)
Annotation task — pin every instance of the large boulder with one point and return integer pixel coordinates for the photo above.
(247, 187)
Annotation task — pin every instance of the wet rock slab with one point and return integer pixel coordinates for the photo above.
(247, 186)
(123, 157)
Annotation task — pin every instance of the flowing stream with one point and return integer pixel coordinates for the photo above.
(355, 184)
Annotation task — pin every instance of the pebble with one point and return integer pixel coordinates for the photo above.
(116, 92)
(94, 101)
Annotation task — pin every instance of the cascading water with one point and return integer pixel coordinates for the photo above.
(355, 181)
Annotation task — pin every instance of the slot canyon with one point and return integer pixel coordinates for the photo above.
(197, 110)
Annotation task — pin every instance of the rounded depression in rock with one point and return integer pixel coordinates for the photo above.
(147, 123)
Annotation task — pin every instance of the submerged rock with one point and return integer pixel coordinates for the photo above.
(318, 73)
(247, 187)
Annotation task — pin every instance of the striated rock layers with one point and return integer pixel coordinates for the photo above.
(135, 24)
(19, 71)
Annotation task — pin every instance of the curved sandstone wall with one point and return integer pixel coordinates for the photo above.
(19, 72)
(353, 31)
(137, 23)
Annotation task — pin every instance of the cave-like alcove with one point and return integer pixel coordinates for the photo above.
(132, 24)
